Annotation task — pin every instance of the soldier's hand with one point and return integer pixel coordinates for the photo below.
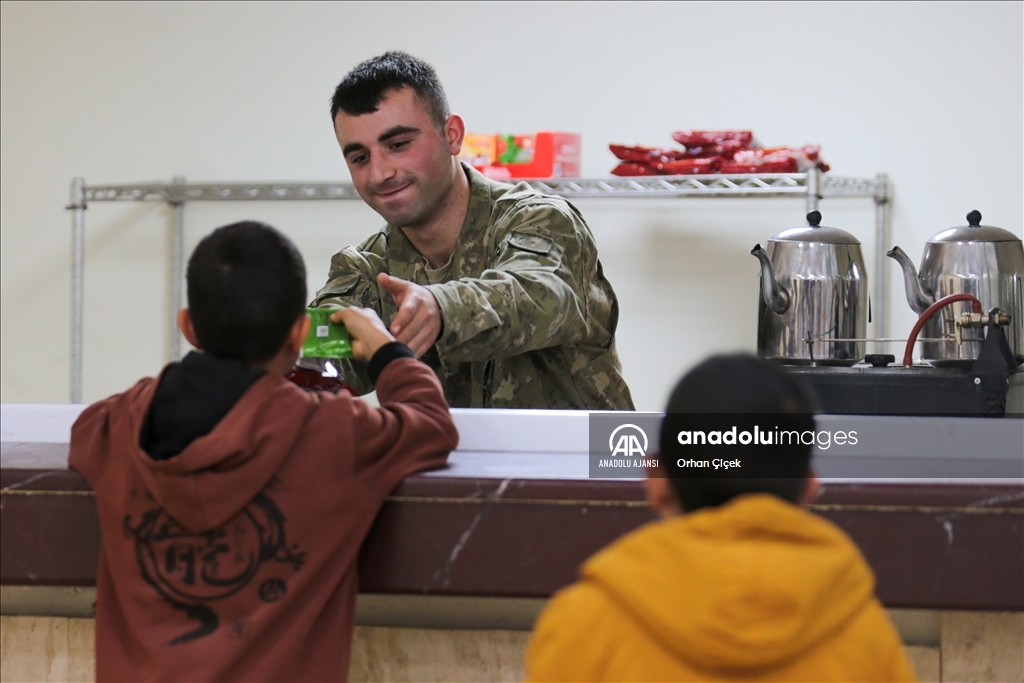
(418, 321)
(366, 329)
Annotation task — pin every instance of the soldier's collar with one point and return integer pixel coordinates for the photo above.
(478, 215)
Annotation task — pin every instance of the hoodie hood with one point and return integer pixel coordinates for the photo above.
(215, 475)
(745, 586)
(190, 399)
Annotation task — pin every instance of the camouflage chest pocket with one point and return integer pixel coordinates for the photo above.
(529, 250)
(349, 290)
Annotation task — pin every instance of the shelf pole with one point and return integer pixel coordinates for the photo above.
(177, 259)
(77, 208)
(883, 238)
(813, 188)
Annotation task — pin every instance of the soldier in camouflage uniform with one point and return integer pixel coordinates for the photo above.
(508, 305)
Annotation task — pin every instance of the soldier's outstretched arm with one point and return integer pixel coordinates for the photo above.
(534, 295)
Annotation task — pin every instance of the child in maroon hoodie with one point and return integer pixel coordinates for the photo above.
(233, 503)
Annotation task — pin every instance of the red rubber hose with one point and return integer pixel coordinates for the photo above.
(928, 313)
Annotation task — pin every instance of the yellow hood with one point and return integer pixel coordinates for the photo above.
(749, 585)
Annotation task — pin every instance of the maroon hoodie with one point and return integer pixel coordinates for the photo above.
(235, 559)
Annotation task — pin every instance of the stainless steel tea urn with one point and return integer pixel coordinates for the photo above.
(976, 259)
(814, 291)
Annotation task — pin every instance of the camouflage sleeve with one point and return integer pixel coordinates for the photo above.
(532, 296)
(352, 281)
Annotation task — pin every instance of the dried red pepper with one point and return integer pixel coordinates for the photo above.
(703, 138)
(633, 168)
(689, 166)
(789, 165)
(646, 155)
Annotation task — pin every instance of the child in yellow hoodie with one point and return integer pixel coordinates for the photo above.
(736, 582)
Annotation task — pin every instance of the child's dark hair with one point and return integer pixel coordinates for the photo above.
(363, 89)
(738, 384)
(246, 289)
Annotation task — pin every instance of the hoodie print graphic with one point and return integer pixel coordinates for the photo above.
(191, 570)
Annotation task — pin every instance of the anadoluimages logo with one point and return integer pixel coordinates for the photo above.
(628, 445)
(628, 440)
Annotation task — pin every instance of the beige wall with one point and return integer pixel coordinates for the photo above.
(124, 92)
(967, 647)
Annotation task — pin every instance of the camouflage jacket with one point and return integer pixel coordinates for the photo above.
(528, 316)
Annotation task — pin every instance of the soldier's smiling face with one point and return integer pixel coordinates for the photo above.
(402, 165)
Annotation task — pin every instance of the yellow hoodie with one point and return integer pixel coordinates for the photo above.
(757, 589)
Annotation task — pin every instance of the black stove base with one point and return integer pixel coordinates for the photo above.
(895, 390)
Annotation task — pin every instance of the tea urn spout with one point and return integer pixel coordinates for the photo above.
(917, 296)
(775, 295)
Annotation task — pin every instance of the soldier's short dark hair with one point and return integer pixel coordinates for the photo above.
(246, 288)
(737, 384)
(367, 85)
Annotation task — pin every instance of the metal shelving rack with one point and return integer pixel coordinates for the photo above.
(812, 186)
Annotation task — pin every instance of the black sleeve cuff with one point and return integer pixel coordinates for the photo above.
(385, 355)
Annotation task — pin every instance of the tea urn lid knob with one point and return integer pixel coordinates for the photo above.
(814, 218)
(974, 219)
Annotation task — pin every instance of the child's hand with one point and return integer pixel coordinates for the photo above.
(366, 328)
